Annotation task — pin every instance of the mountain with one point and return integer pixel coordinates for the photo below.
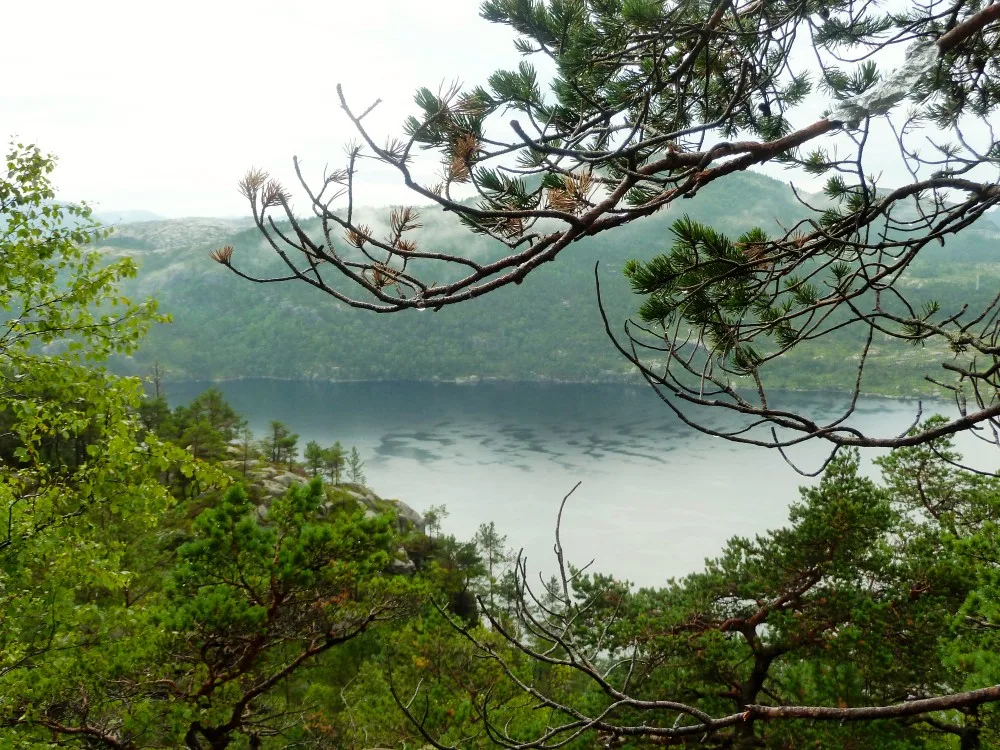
(113, 218)
(548, 328)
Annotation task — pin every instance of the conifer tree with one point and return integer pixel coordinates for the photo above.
(280, 444)
(335, 459)
(314, 458)
(493, 547)
(355, 467)
(247, 447)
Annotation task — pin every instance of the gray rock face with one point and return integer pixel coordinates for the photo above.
(402, 564)
(268, 481)
(270, 489)
(405, 511)
(408, 517)
(287, 479)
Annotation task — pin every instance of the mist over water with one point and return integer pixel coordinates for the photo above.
(655, 499)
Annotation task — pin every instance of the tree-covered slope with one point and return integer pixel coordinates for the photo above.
(547, 328)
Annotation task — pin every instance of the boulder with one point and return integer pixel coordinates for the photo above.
(237, 463)
(402, 564)
(270, 489)
(411, 516)
(287, 479)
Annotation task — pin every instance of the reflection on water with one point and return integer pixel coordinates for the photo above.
(656, 497)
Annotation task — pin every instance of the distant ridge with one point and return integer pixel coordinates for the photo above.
(548, 329)
(127, 217)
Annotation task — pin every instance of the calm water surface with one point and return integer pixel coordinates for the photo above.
(656, 497)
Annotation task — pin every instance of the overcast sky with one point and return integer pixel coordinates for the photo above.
(163, 106)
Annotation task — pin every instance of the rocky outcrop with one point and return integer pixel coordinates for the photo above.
(265, 483)
(263, 480)
(407, 519)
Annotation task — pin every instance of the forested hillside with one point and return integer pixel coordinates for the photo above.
(547, 328)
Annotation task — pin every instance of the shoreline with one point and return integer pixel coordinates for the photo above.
(472, 381)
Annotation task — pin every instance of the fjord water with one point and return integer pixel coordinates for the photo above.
(655, 499)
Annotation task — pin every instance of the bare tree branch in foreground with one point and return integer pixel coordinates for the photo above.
(585, 632)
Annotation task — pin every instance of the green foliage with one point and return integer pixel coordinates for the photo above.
(874, 593)
(81, 479)
(68, 436)
(355, 467)
(496, 557)
(141, 606)
(54, 291)
(718, 288)
(279, 447)
(242, 606)
(314, 457)
(334, 461)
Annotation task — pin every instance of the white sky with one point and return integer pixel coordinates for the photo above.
(163, 106)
